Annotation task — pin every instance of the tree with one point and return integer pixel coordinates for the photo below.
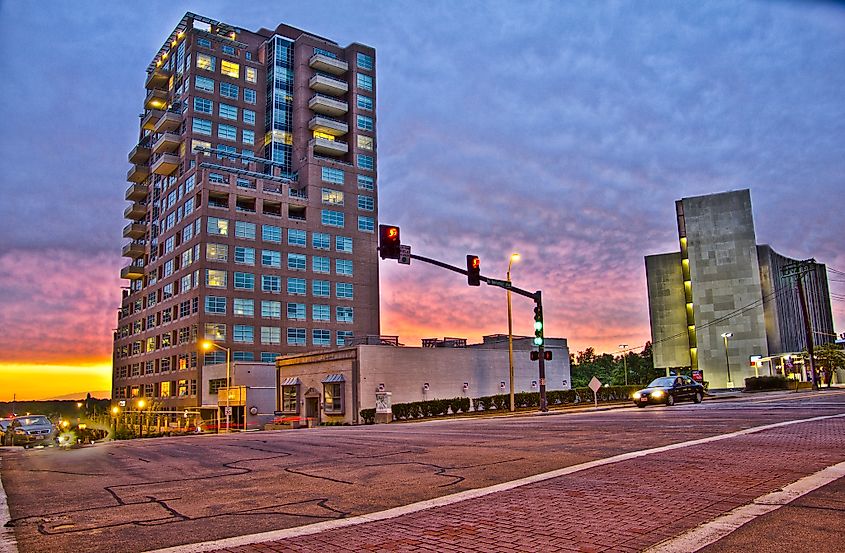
(828, 357)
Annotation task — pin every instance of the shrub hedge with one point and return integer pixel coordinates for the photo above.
(759, 383)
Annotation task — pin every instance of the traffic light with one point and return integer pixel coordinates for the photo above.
(535, 355)
(388, 241)
(473, 270)
(538, 326)
(547, 355)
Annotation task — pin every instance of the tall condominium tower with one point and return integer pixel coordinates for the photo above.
(253, 204)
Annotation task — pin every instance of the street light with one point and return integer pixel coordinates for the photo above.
(514, 257)
(727, 335)
(207, 345)
(624, 361)
(114, 411)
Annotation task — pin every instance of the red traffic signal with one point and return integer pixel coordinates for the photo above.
(473, 270)
(547, 355)
(535, 355)
(388, 241)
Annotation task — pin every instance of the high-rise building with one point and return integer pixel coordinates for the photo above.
(253, 195)
(724, 304)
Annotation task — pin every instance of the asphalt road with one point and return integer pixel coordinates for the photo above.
(148, 494)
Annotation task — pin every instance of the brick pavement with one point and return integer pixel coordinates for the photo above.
(625, 506)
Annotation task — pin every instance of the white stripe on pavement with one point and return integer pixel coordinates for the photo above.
(718, 528)
(287, 533)
(7, 534)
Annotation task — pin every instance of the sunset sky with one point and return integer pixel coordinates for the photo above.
(561, 130)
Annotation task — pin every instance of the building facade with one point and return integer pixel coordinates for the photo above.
(724, 304)
(253, 204)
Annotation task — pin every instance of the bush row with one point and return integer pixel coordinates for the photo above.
(758, 383)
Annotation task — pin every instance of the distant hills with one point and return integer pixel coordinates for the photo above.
(99, 394)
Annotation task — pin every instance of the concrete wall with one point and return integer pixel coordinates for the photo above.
(260, 381)
(667, 310)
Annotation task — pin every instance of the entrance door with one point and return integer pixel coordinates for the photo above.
(312, 408)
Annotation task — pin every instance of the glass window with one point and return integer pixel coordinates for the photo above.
(343, 267)
(332, 395)
(321, 288)
(245, 230)
(270, 233)
(243, 307)
(243, 333)
(321, 337)
(201, 126)
(290, 399)
(365, 203)
(244, 256)
(365, 142)
(365, 82)
(268, 356)
(228, 112)
(271, 283)
(365, 123)
(215, 278)
(216, 252)
(247, 137)
(321, 241)
(204, 61)
(203, 105)
(344, 290)
(343, 244)
(243, 356)
(204, 84)
(296, 262)
(366, 224)
(296, 311)
(218, 227)
(332, 197)
(296, 286)
(320, 264)
(230, 69)
(215, 305)
(250, 74)
(227, 132)
(365, 162)
(271, 258)
(215, 331)
(364, 61)
(332, 175)
(332, 218)
(244, 281)
(271, 335)
(344, 314)
(204, 42)
(364, 102)
(296, 336)
(321, 313)
(249, 117)
(296, 237)
(249, 96)
(228, 49)
(229, 90)
(366, 182)
(271, 309)
(343, 336)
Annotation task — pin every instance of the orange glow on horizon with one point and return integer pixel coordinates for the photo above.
(34, 381)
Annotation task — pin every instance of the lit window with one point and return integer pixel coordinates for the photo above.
(215, 278)
(230, 69)
(204, 61)
(332, 398)
(332, 197)
(365, 142)
(250, 74)
(199, 144)
(217, 226)
(215, 331)
(216, 252)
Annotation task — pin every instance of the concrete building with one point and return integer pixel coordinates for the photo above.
(335, 386)
(252, 395)
(253, 204)
(722, 282)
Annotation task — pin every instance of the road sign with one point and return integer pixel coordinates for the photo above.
(595, 384)
(404, 254)
(500, 283)
(122, 403)
(228, 411)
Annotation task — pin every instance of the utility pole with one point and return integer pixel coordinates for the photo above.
(798, 270)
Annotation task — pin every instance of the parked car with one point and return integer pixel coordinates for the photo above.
(4, 424)
(30, 430)
(668, 390)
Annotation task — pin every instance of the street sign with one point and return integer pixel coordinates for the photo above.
(122, 403)
(404, 254)
(500, 283)
(595, 384)
(228, 411)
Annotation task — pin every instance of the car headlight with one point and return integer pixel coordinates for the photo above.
(20, 431)
(637, 395)
(657, 393)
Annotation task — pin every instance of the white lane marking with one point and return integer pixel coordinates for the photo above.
(287, 533)
(718, 528)
(7, 535)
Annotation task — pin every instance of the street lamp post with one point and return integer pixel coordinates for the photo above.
(208, 345)
(114, 412)
(624, 361)
(141, 404)
(514, 257)
(727, 335)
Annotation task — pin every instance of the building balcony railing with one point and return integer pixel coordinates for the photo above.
(329, 147)
(328, 125)
(138, 173)
(150, 118)
(167, 142)
(332, 160)
(165, 164)
(136, 192)
(140, 153)
(156, 99)
(328, 85)
(132, 272)
(328, 105)
(134, 249)
(322, 62)
(157, 78)
(134, 230)
(169, 121)
(136, 211)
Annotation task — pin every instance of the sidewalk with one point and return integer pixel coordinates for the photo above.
(623, 506)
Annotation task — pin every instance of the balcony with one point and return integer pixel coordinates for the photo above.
(140, 153)
(157, 78)
(132, 272)
(328, 125)
(322, 62)
(165, 164)
(327, 105)
(328, 85)
(134, 249)
(151, 117)
(134, 230)
(136, 192)
(167, 142)
(329, 147)
(138, 173)
(136, 211)
(156, 99)
(169, 121)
